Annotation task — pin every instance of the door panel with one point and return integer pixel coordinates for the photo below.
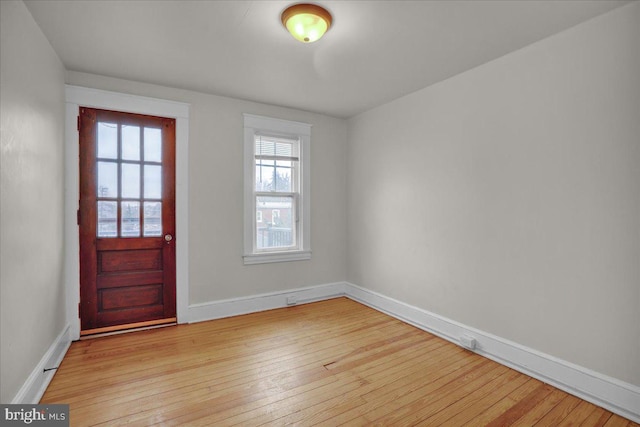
(120, 261)
(127, 219)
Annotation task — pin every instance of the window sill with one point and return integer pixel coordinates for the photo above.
(265, 258)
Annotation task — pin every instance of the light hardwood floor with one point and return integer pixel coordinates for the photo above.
(327, 363)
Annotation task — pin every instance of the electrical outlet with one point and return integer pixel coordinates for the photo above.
(292, 300)
(468, 342)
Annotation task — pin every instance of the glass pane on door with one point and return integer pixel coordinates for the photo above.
(152, 145)
(107, 179)
(152, 219)
(107, 141)
(130, 226)
(130, 142)
(130, 180)
(152, 182)
(107, 219)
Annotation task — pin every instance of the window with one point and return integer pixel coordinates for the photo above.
(129, 179)
(277, 203)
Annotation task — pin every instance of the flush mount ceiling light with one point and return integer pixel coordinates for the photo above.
(306, 22)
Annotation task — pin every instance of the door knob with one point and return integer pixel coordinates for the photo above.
(168, 238)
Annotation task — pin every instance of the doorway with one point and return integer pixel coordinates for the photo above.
(126, 220)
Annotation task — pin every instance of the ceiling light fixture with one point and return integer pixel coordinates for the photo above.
(306, 22)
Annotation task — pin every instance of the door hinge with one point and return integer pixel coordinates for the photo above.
(78, 123)
(78, 216)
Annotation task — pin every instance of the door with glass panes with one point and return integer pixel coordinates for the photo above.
(126, 220)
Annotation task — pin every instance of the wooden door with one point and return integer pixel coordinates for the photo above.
(127, 220)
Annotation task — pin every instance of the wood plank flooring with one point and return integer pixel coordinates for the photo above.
(329, 363)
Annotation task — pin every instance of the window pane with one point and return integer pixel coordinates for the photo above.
(152, 218)
(107, 179)
(284, 163)
(130, 181)
(277, 227)
(277, 176)
(152, 182)
(152, 145)
(264, 175)
(107, 140)
(283, 179)
(107, 219)
(130, 226)
(130, 142)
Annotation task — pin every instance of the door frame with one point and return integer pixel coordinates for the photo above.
(75, 97)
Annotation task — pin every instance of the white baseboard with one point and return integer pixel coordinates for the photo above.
(612, 394)
(34, 387)
(262, 302)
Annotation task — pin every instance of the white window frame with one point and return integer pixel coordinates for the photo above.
(284, 128)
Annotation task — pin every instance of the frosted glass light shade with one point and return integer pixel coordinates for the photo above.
(306, 22)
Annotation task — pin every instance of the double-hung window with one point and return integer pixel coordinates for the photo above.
(277, 203)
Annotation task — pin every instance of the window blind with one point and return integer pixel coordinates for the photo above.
(276, 148)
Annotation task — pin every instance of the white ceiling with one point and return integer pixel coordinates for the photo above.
(375, 51)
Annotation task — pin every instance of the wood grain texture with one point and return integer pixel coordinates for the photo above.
(125, 279)
(329, 363)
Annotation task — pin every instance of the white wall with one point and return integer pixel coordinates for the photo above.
(216, 269)
(31, 205)
(507, 198)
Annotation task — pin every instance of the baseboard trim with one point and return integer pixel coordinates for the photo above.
(262, 302)
(612, 394)
(36, 384)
